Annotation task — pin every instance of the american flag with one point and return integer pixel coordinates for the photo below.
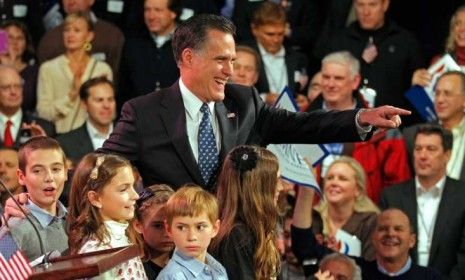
(370, 52)
(16, 268)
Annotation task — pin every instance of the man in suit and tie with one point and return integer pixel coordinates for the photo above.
(174, 134)
(16, 125)
(434, 204)
(98, 99)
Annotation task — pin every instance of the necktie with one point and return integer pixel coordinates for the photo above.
(208, 154)
(8, 138)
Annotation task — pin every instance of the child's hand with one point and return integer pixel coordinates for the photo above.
(12, 210)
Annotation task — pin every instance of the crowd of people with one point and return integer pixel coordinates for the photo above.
(145, 123)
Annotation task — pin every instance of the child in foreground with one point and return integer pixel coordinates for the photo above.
(101, 204)
(150, 223)
(192, 221)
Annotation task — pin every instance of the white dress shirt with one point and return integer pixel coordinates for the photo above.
(96, 137)
(454, 166)
(428, 204)
(15, 127)
(192, 106)
(275, 69)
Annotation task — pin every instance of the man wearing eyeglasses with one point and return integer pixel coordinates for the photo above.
(449, 104)
(16, 125)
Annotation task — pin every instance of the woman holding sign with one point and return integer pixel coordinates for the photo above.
(346, 211)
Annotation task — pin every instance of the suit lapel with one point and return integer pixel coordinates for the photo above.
(86, 141)
(441, 217)
(290, 66)
(227, 120)
(174, 118)
(409, 204)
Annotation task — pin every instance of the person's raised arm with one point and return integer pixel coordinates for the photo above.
(303, 208)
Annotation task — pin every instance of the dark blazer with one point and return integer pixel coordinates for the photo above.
(295, 61)
(152, 131)
(447, 253)
(48, 127)
(76, 143)
(409, 138)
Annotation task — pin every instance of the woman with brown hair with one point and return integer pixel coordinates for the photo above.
(248, 189)
(60, 78)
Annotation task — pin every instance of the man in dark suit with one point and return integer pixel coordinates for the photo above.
(159, 131)
(449, 105)
(16, 125)
(280, 66)
(98, 99)
(434, 204)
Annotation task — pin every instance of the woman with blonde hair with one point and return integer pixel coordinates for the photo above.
(345, 206)
(455, 46)
(60, 78)
(248, 189)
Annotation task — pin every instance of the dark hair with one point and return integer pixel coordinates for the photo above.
(85, 87)
(457, 73)
(192, 33)
(29, 52)
(445, 134)
(269, 13)
(34, 144)
(153, 195)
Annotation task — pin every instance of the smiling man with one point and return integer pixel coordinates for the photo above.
(98, 100)
(434, 204)
(180, 134)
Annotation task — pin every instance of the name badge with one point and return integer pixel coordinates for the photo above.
(115, 6)
(19, 10)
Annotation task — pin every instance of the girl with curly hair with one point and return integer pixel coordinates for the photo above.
(247, 192)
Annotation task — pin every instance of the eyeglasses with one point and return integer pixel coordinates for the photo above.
(10, 87)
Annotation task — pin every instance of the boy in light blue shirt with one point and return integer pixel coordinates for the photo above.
(192, 221)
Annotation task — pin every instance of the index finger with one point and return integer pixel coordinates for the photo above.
(390, 110)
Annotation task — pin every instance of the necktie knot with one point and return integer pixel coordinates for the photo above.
(9, 123)
(204, 109)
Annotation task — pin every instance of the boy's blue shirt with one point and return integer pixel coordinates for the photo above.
(183, 267)
(20, 234)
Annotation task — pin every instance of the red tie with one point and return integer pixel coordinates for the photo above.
(8, 139)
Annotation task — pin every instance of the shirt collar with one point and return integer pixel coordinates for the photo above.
(191, 102)
(43, 216)
(435, 190)
(193, 265)
(404, 269)
(94, 133)
(16, 118)
(264, 53)
(160, 40)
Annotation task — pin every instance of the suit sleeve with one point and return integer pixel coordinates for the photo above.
(124, 140)
(277, 126)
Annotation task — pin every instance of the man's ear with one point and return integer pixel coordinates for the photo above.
(94, 199)
(187, 55)
(412, 240)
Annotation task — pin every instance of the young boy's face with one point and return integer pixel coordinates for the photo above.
(192, 235)
(44, 177)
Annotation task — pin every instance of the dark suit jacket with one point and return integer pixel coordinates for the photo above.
(49, 128)
(152, 131)
(447, 253)
(295, 61)
(409, 138)
(76, 143)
